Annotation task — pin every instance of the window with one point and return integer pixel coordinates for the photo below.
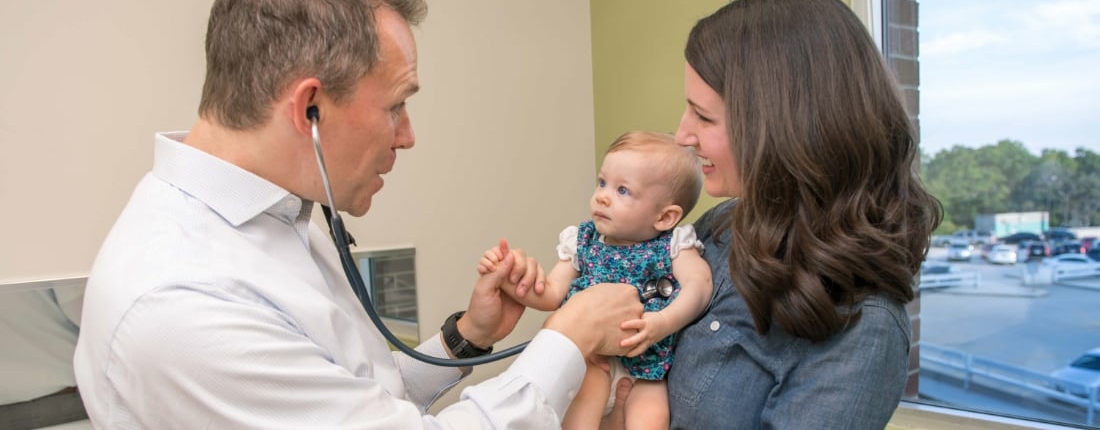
(390, 277)
(1006, 98)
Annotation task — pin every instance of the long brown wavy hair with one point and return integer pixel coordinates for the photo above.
(832, 208)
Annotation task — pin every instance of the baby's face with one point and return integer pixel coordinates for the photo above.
(630, 195)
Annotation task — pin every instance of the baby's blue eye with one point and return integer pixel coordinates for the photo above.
(601, 183)
(623, 191)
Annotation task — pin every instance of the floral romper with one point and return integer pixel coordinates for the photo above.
(635, 264)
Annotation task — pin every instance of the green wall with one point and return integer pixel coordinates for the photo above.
(638, 67)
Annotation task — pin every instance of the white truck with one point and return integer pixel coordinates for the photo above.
(973, 237)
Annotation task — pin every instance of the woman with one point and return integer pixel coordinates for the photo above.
(795, 116)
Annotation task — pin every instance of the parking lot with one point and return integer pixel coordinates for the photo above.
(1012, 317)
(1038, 324)
(1022, 278)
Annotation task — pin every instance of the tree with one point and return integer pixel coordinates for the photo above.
(1005, 177)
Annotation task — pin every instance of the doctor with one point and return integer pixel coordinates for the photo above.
(214, 301)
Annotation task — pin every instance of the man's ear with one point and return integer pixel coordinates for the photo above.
(669, 216)
(304, 93)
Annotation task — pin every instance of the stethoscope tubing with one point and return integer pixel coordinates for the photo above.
(351, 272)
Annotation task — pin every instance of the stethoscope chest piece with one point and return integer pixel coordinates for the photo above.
(659, 287)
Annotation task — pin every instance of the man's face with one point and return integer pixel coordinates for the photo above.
(364, 132)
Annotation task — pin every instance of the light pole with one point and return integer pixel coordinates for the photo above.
(1051, 180)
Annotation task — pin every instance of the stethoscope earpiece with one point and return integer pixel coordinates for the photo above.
(313, 114)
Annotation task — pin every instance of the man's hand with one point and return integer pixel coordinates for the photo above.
(492, 314)
(593, 318)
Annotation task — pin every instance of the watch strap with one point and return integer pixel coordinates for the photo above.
(458, 345)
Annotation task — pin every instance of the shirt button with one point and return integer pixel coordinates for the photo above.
(571, 394)
(714, 325)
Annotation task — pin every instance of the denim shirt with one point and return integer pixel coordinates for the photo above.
(728, 376)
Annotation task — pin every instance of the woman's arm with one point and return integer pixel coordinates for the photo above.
(852, 381)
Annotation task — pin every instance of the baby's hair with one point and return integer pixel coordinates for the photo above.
(677, 163)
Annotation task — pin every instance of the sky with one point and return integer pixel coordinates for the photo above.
(1025, 70)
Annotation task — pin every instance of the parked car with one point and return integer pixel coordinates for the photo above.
(1068, 247)
(1016, 238)
(1002, 254)
(1084, 370)
(1034, 250)
(959, 251)
(1094, 252)
(1069, 259)
(933, 268)
(940, 240)
(1059, 234)
(1089, 242)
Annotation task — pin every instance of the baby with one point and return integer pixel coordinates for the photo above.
(646, 185)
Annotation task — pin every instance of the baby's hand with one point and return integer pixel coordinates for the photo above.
(489, 260)
(526, 273)
(652, 327)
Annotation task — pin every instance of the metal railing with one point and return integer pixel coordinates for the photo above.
(995, 375)
(950, 279)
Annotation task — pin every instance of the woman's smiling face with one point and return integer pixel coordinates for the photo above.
(703, 127)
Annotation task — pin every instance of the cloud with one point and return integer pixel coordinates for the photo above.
(960, 42)
(1011, 68)
(1078, 20)
(1053, 26)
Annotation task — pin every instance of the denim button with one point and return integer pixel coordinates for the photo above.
(714, 325)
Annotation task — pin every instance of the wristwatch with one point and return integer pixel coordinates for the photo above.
(458, 345)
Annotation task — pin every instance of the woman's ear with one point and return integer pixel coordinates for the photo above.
(668, 218)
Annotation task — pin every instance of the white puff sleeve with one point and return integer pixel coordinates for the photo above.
(567, 244)
(683, 237)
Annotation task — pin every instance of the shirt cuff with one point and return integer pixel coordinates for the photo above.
(424, 382)
(554, 364)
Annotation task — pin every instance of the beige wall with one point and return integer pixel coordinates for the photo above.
(504, 127)
(83, 86)
(504, 147)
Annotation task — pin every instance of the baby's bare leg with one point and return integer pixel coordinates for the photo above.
(587, 408)
(647, 405)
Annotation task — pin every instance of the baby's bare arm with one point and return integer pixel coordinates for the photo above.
(696, 287)
(550, 296)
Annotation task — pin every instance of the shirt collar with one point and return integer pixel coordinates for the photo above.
(235, 194)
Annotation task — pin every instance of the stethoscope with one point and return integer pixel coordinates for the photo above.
(655, 287)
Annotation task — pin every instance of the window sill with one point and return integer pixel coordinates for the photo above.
(914, 416)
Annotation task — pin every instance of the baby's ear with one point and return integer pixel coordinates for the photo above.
(668, 218)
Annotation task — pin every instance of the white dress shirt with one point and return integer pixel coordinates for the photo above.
(214, 302)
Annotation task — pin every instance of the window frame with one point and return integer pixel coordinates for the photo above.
(408, 330)
(914, 412)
